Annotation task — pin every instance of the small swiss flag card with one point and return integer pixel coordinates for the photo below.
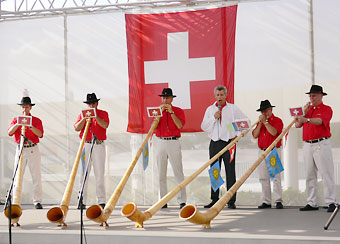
(89, 113)
(154, 111)
(296, 111)
(24, 120)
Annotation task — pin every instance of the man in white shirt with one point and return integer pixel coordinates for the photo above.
(216, 119)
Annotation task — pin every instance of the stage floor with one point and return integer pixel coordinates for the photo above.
(242, 225)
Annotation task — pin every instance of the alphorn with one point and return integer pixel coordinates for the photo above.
(190, 212)
(99, 215)
(131, 211)
(58, 214)
(16, 205)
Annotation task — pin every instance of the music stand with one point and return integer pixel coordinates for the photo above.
(81, 191)
(329, 221)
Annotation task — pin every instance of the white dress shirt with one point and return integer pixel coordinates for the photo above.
(216, 128)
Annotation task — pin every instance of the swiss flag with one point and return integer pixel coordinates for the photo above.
(24, 120)
(191, 52)
(296, 111)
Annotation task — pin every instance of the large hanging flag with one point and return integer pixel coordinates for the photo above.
(274, 163)
(191, 52)
(146, 156)
(215, 176)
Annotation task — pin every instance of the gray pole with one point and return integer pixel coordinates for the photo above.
(311, 15)
(66, 95)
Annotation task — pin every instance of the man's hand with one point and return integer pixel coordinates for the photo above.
(167, 108)
(306, 107)
(217, 115)
(262, 118)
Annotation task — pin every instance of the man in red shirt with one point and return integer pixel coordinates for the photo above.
(267, 130)
(31, 153)
(317, 151)
(98, 128)
(167, 145)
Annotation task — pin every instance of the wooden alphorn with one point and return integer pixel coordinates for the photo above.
(16, 205)
(99, 215)
(58, 214)
(190, 212)
(131, 211)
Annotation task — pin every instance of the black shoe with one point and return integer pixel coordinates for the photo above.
(265, 205)
(38, 206)
(182, 205)
(309, 208)
(210, 204)
(279, 205)
(331, 208)
(231, 205)
(165, 206)
(102, 205)
(83, 206)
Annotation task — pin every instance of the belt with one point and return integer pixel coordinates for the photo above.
(317, 140)
(30, 145)
(95, 142)
(169, 138)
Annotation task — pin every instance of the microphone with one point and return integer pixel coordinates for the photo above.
(219, 109)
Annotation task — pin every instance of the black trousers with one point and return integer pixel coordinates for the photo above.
(214, 148)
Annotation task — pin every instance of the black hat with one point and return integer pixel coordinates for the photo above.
(316, 89)
(167, 92)
(26, 101)
(264, 105)
(91, 98)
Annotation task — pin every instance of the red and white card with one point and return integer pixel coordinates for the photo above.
(154, 111)
(242, 125)
(89, 113)
(24, 120)
(296, 111)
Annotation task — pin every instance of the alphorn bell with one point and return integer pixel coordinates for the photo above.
(58, 214)
(16, 205)
(99, 215)
(190, 212)
(131, 211)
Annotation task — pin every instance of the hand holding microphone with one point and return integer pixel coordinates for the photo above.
(217, 115)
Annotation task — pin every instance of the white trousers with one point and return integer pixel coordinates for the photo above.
(318, 157)
(164, 150)
(98, 164)
(31, 157)
(265, 181)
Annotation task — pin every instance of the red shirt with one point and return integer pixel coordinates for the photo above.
(312, 132)
(265, 139)
(36, 122)
(167, 126)
(95, 128)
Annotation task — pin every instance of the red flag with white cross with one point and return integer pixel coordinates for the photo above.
(296, 111)
(191, 52)
(24, 120)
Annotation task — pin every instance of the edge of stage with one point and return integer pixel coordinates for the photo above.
(242, 225)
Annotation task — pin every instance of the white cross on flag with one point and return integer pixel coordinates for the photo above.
(190, 52)
(89, 113)
(24, 120)
(296, 111)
